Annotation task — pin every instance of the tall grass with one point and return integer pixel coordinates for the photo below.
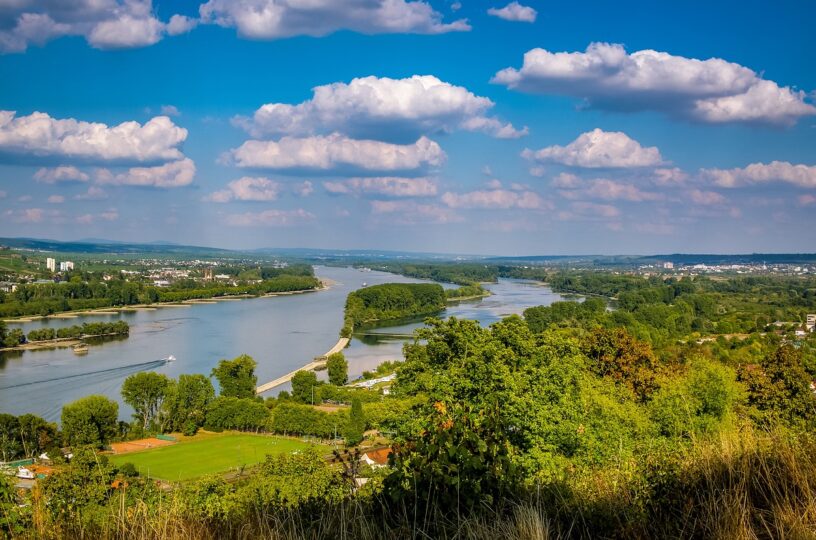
(741, 486)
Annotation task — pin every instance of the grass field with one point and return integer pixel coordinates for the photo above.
(208, 453)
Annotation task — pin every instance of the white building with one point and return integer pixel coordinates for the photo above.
(668, 265)
(65, 266)
(810, 323)
(51, 264)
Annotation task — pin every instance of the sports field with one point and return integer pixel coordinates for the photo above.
(208, 453)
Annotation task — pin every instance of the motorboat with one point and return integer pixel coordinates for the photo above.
(170, 358)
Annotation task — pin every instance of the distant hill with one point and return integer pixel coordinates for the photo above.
(363, 256)
(686, 259)
(108, 246)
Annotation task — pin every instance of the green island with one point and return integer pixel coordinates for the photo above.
(390, 301)
(380, 304)
(46, 337)
(647, 405)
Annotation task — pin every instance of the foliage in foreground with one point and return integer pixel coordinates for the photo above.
(506, 432)
(746, 485)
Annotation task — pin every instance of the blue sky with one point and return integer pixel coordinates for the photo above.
(474, 127)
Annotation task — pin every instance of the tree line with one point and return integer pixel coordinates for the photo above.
(47, 298)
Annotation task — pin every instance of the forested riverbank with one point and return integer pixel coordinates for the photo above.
(52, 298)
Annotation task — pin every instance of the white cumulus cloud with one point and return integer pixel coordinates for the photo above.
(180, 24)
(105, 24)
(669, 177)
(386, 185)
(270, 218)
(514, 12)
(706, 198)
(598, 149)
(33, 215)
(806, 200)
(594, 210)
(278, 19)
(108, 215)
(247, 188)
(607, 77)
(63, 173)
(39, 134)
(336, 153)
(170, 175)
(383, 109)
(407, 212)
(803, 176)
(610, 190)
(303, 189)
(94, 193)
(494, 198)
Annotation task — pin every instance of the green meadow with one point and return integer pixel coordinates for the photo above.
(207, 454)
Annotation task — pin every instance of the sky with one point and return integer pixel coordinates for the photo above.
(482, 127)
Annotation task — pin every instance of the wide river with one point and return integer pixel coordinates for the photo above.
(281, 333)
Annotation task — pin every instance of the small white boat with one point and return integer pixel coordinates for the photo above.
(170, 358)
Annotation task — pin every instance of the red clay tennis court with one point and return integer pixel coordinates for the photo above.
(138, 445)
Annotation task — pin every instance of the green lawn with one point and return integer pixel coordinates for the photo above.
(208, 453)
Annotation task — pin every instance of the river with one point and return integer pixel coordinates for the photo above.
(281, 333)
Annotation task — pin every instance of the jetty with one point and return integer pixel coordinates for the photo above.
(318, 362)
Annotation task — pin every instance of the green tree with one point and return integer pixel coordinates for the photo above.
(236, 377)
(145, 392)
(91, 420)
(628, 361)
(337, 366)
(779, 387)
(13, 338)
(503, 406)
(237, 413)
(193, 395)
(697, 402)
(78, 494)
(9, 436)
(36, 435)
(13, 518)
(304, 384)
(355, 427)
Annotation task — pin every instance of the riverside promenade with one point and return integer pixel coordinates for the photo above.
(320, 361)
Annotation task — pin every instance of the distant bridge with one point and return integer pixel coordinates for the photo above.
(318, 362)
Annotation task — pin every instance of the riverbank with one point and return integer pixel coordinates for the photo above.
(326, 284)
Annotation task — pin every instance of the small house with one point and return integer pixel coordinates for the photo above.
(376, 458)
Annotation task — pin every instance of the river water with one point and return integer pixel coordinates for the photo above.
(281, 333)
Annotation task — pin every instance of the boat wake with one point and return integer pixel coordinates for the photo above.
(109, 372)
